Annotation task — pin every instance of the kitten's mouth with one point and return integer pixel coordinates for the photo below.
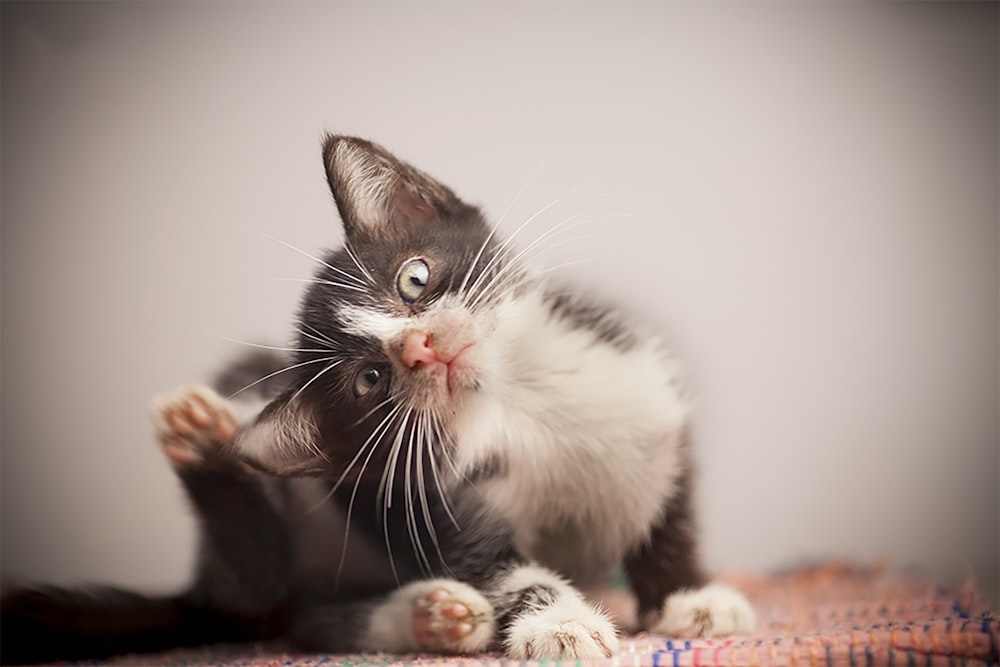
(455, 374)
(459, 371)
(446, 365)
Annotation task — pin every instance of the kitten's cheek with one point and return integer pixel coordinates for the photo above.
(463, 374)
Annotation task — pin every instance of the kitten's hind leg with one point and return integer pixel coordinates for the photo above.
(245, 549)
(430, 616)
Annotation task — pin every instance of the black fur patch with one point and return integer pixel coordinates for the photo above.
(669, 560)
(515, 604)
(604, 322)
(489, 469)
(249, 369)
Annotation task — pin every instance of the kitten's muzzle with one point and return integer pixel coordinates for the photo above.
(421, 351)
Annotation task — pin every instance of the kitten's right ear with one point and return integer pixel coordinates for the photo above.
(283, 439)
(378, 194)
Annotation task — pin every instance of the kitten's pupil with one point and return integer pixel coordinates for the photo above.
(412, 279)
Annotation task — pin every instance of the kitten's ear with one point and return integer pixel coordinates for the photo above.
(283, 439)
(378, 194)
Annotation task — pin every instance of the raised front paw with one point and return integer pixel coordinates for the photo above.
(192, 424)
(569, 629)
(433, 616)
(713, 611)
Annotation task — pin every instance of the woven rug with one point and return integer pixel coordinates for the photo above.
(832, 614)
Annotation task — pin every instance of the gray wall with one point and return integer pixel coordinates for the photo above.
(802, 196)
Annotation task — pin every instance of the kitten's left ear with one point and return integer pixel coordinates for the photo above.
(378, 194)
(283, 439)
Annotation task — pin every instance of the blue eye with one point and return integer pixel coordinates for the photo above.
(411, 281)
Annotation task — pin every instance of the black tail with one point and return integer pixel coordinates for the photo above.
(53, 624)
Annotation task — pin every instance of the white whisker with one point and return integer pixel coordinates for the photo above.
(279, 372)
(318, 281)
(361, 267)
(562, 227)
(265, 347)
(310, 256)
(496, 226)
(422, 439)
(377, 434)
(319, 337)
(387, 484)
(389, 474)
(373, 411)
(438, 440)
(313, 446)
(413, 528)
(563, 265)
(315, 377)
(503, 246)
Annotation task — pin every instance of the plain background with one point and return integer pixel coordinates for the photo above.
(802, 196)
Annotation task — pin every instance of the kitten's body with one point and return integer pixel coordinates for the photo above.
(490, 442)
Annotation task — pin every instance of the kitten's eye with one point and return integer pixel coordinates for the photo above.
(412, 279)
(365, 380)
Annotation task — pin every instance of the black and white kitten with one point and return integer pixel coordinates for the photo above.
(484, 444)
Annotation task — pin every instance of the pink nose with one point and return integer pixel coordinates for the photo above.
(418, 351)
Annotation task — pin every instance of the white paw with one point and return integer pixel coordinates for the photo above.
(191, 424)
(569, 629)
(713, 611)
(432, 616)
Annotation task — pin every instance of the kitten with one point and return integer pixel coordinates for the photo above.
(458, 449)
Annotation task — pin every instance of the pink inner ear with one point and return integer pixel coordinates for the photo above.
(409, 207)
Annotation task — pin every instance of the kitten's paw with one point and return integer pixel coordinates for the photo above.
(451, 617)
(433, 616)
(562, 631)
(713, 611)
(192, 423)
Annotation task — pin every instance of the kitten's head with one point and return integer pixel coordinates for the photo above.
(394, 332)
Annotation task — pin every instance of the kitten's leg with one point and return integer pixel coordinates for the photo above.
(532, 612)
(670, 587)
(539, 615)
(194, 427)
(429, 616)
(542, 616)
(245, 557)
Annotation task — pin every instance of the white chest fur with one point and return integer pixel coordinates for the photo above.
(589, 433)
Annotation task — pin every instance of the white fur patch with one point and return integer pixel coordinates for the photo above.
(568, 628)
(570, 415)
(371, 323)
(716, 610)
(280, 442)
(417, 617)
(527, 576)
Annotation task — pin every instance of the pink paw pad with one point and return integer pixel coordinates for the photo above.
(192, 423)
(442, 623)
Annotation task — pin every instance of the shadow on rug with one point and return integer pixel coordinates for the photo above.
(833, 614)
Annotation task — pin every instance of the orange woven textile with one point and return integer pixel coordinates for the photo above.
(830, 615)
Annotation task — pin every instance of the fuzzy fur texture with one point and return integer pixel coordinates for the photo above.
(479, 444)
